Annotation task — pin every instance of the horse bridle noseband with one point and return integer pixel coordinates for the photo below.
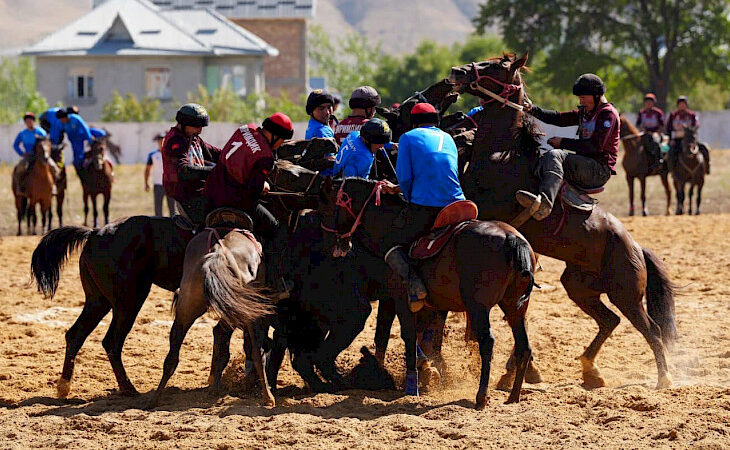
(344, 201)
(508, 90)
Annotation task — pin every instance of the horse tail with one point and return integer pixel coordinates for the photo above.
(660, 296)
(52, 253)
(226, 292)
(519, 253)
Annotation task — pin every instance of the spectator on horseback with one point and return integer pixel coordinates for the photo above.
(428, 177)
(357, 153)
(239, 180)
(319, 108)
(586, 162)
(77, 132)
(27, 139)
(188, 161)
(52, 125)
(679, 119)
(363, 101)
(650, 118)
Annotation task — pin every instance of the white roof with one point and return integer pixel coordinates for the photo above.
(244, 9)
(138, 27)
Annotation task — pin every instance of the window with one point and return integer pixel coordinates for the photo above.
(234, 77)
(81, 84)
(157, 82)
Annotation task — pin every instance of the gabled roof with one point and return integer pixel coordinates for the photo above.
(138, 27)
(246, 9)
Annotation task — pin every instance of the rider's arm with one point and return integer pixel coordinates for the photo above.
(213, 153)
(560, 119)
(669, 124)
(403, 168)
(256, 183)
(638, 120)
(595, 145)
(16, 144)
(189, 172)
(84, 130)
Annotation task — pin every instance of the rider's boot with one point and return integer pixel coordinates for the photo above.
(549, 186)
(397, 260)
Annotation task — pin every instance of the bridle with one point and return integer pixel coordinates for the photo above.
(508, 89)
(344, 201)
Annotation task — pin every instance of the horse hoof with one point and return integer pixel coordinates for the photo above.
(532, 374)
(631, 212)
(592, 378)
(505, 383)
(129, 392)
(269, 401)
(664, 382)
(431, 376)
(481, 403)
(645, 213)
(63, 387)
(512, 399)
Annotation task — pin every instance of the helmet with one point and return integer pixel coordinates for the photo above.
(318, 97)
(159, 136)
(682, 98)
(650, 96)
(376, 131)
(73, 109)
(279, 124)
(29, 115)
(61, 114)
(589, 84)
(192, 115)
(364, 97)
(424, 113)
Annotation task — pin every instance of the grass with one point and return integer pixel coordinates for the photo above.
(129, 197)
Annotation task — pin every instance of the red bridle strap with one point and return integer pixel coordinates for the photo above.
(345, 201)
(508, 89)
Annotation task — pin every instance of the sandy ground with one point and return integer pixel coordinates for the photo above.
(558, 412)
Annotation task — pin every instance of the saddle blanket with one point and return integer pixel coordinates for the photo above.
(432, 243)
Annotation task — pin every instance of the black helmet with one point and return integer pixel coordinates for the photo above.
(376, 131)
(61, 114)
(318, 97)
(589, 84)
(73, 109)
(364, 97)
(192, 115)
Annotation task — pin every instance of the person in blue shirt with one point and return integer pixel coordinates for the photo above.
(319, 108)
(78, 133)
(97, 133)
(28, 136)
(52, 125)
(428, 177)
(357, 153)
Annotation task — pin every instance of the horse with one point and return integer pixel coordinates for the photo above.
(483, 265)
(600, 254)
(689, 168)
(37, 188)
(636, 164)
(96, 179)
(220, 265)
(61, 181)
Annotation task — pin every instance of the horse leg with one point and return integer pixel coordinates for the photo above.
(577, 284)
(522, 351)
(632, 307)
(22, 207)
(667, 191)
(642, 183)
(179, 329)
(679, 187)
(304, 366)
(86, 209)
(480, 321)
(125, 312)
(699, 195)
(689, 200)
(95, 308)
(339, 338)
(383, 325)
(276, 358)
(96, 211)
(107, 198)
(630, 181)
(222, 333)
(59, 207)
(532, 373)
(266, 395)
(407, 321)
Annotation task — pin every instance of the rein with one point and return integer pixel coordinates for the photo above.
(632, 136)
(507, 90)
(344, 201)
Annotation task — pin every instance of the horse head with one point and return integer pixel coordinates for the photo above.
(300, 183)
(690, 147)
(42, 150)
(98, 151)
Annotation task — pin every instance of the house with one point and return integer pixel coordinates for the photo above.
(135, 46)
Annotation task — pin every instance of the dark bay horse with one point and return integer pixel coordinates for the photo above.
(486, 264)
(689, 168)
(96, 179)
(636, 165)
(61, 180)
(37, 188)
(600, 255)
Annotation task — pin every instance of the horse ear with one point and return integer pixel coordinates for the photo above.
(518, 64)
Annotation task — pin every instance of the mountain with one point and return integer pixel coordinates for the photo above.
(25, 21)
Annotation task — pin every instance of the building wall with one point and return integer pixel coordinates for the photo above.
(288, 71)
(127, 75)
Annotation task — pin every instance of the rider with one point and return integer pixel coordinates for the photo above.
(52, 125)
(319, 108)
(362, 103)
(651, 121)
(678, 119)
(187, 161)
(78, 133)
(428, 177)
(596, 148)
(27, 138)
(357, 153)
(239, 180)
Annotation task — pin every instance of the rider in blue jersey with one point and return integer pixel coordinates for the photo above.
(319, 107)
(357, 153)
(28, 136)
(78, 133)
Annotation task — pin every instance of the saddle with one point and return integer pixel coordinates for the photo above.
(579, 198)
(229, 218)
(452, 219)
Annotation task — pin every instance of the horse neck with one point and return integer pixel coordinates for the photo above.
(376, 221)
(495, 125)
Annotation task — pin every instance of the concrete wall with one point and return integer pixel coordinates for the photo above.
(135, 139)
(127, 75)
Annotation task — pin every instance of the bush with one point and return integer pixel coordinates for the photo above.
(130, 109)
(17, 90)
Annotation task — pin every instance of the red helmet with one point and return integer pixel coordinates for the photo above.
(29, 115)
(279, 124)
(650, 96)
(424, 113)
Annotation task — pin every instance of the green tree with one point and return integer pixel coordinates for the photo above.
(131, 109)
(645, 45)
(224, 105)
(18, 90)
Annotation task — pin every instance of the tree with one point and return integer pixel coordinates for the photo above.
(224, 105)
(662, 46)
(131, 109)
(17, 90)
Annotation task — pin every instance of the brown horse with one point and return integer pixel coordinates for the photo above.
(636, 165)
(485, 264)
(600, 255)
(37, 188)
(61, 181)
(689, 168)
(96, 178)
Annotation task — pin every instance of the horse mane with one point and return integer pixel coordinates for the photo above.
(288, 166)
(624, 121)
